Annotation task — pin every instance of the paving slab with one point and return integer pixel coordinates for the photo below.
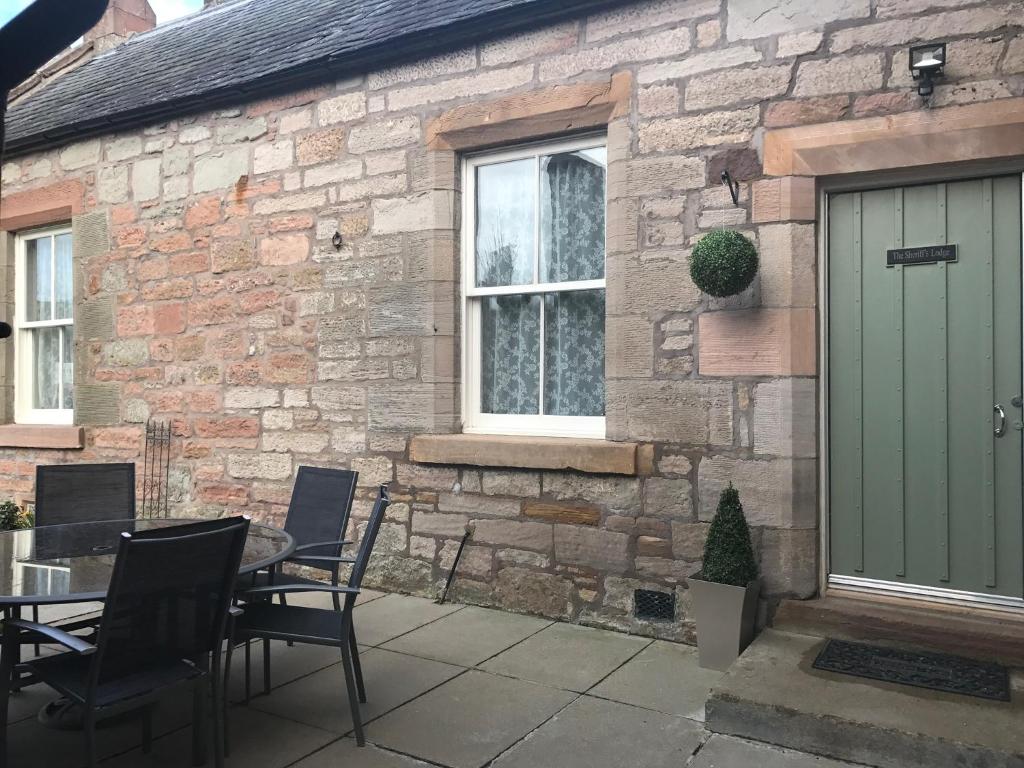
(320, 699)
(345, 753)
(729, 752)
(258, 740)
(772, 694)
(323, 599)
(468, 721)
(567, 656)
(594, 732)
(468, 637)
(384, 619)
(663, 676)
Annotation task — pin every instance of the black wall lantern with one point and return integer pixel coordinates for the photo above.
(926, 64)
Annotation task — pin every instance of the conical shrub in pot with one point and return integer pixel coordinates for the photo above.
(725, 592)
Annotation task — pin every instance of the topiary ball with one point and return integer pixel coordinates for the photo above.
(723, 263)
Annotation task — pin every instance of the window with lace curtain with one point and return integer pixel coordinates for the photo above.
(44, 328)
(534, 290)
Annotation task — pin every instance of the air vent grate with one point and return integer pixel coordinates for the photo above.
(649, 604)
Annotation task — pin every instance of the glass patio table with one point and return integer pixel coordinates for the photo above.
(73, 563)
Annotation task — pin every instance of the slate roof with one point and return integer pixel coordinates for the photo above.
(237, 51)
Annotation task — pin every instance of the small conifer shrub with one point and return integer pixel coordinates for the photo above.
(728, 553)
(724, 263)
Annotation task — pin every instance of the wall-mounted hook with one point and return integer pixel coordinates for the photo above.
(336, 240)
(734, 187)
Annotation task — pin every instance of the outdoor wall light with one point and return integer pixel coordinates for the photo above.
(926, 63)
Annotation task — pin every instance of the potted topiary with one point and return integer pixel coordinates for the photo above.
(723, 263)
(726, 589)
(12, 518)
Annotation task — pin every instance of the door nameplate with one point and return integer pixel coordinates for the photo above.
(927, 254)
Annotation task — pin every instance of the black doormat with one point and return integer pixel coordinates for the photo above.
(937, 671)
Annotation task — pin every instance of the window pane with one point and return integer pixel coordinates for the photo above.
(45, 359)
(38, 279)
(62, 278)
(510, 354)
(572, 216)
(574, 353)
(68, 367)
(505, 202)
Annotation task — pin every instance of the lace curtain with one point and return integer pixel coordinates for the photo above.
(572, 248)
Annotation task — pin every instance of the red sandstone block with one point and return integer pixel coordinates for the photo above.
(194, 450)
(153, 268)
(235, 495)
(243, 374)
(130, 237)
(165, 401)
(176, 241)
(162, 290)
(286, 249)
(123, 438)
(228, 427)
(288, 369)
(135, 321)
(257, 301)
(212, 311)
(204, 402)
(169, 318)
(203, 213)
(123, 214)
(190, 263)
(296, 221)
(162, 350)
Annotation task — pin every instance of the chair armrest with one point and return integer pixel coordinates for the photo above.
(69, 641)
(282, 588)
(320, 559)
(317, 544)
(234, 611)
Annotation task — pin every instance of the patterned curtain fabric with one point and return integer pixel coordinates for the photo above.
(572, 248)
(510, 363)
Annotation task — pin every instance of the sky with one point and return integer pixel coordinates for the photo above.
(166, 10)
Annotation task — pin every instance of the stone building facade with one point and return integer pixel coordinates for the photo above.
(210, 293)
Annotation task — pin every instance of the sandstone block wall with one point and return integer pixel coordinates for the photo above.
(218, 301)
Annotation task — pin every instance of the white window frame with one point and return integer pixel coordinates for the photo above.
(473, 420)
(24, 369)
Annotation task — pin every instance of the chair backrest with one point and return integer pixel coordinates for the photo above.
(320, 508)
(81, 493)
(169, 597)
(369, 537)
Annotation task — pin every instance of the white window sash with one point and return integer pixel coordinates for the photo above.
(474, 421)
(24, 369)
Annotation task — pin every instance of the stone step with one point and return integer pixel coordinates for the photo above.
(979, 634)
(772, 694)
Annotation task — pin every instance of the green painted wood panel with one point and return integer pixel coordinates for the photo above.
(921, 491)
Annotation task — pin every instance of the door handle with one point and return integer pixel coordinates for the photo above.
(1000, 430)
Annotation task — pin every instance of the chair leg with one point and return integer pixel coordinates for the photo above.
(89, 731)
(248, 671)
(266, 665)
(357, 666)
(335, 597)
(227, 695)
(199, 723)
(218, 710)
(353, 700)
(6, 674)
(15, 653)
(147, 730)
(35, 618)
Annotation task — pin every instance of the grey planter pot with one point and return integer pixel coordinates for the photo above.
(725, 620)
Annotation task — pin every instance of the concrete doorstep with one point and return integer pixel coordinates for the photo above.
(772, 694)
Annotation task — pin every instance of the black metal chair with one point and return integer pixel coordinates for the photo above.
(82, 493)
(318, 626)
(163, 625)
(318, 515)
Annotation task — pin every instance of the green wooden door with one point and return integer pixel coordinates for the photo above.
(922, 491)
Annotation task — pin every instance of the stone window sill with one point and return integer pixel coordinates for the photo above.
(582, 455)
(42, 436)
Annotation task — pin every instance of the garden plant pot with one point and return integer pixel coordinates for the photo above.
(725, 620)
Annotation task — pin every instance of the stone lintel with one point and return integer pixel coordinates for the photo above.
(983, 131)
(41, 436)
(531, 115)
(584, 455)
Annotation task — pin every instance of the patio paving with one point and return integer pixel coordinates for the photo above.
(452, 686)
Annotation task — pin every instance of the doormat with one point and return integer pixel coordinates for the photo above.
(936, 671)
